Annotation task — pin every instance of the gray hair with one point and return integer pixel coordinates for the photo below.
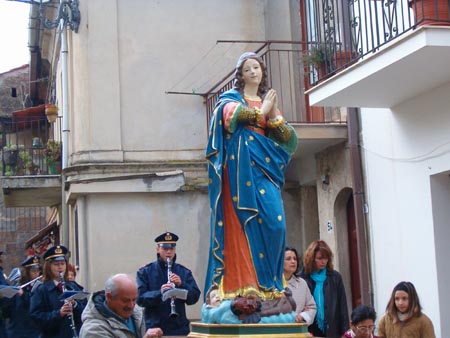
(111, 283)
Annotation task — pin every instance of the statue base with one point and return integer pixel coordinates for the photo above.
(294, 330)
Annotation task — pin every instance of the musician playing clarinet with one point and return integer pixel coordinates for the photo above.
(17, 308)
(160, 276)
(54, 316)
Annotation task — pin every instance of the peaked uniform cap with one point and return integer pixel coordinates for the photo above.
(56, 253)
(31, 262)
(167, 240)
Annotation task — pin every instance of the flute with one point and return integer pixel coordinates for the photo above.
(30, 282)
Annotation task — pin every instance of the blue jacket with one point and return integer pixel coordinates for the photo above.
(149, 280)
(17, 310)
(45, 305)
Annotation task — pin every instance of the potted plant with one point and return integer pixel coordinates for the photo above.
(10, 154)
(318, 57)
(52, 157)
(25, 162)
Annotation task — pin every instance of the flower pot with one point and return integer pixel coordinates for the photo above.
(54, 168)
(425, 11)
(51, 111)
(344, 58)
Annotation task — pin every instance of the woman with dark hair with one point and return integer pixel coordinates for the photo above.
(328, 290)
(306, 306)
(362, 323)
(250, 145)
(18, 307)
(404, 317)
(55, 317)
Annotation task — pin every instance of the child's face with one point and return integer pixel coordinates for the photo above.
(401, 301)
(70, 276)
(214, 299)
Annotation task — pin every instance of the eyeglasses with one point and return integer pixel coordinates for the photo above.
(366, 328)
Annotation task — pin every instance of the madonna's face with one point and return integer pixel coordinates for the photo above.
(252, 72)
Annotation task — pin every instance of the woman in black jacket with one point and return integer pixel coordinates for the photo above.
(328, 290)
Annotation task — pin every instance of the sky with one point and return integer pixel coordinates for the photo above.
(13, 35)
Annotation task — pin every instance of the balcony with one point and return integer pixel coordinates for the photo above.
(396, 50)
(31, 160)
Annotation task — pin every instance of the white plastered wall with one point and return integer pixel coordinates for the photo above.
(403, 148)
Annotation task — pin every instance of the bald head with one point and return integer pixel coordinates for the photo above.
(121, 294)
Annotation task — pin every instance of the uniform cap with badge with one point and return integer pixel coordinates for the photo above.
(33, 262)
(56, 253)
(167, 240)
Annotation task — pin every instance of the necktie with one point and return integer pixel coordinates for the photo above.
(60, 287)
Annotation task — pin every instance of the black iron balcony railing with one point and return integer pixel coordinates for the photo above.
(338, 33)
(29, 147)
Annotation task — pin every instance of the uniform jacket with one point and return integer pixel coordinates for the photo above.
(99, 321)
(415, 327)
(44, 310)
(149, 280)
(336, 312)
(17, 310)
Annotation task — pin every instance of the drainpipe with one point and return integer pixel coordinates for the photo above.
(65, 131)
(34, 26)
(358, 200)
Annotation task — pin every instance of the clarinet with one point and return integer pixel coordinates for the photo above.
(173, 312)
(69, 316)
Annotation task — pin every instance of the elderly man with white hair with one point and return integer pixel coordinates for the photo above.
(113, 312)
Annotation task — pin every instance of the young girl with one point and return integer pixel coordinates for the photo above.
(404, 317)
(48, 309)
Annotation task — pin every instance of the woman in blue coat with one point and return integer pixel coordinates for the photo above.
(55, 317)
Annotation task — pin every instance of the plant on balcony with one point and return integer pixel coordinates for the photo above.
(25, 162)
(10, 154)
(318, 57)
(52, 156)
(327, 61)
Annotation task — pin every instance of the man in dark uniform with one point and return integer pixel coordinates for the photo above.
(152, 281)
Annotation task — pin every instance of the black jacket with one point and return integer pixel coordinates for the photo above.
(336, 311)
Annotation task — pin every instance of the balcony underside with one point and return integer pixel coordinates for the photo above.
(409, 66)
(31, 191)
(313, 138)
